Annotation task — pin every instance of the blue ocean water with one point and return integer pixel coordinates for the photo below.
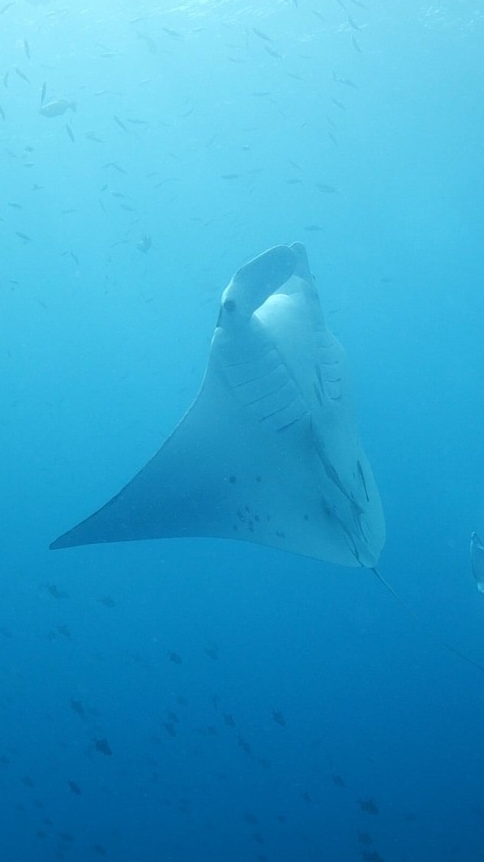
(208, 700)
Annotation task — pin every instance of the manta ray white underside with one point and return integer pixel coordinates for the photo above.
(269, 451)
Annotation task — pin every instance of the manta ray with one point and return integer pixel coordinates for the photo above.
(269, 450)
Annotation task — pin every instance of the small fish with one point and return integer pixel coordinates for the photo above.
(365, 839)
(27, 49)
(120, 123)
(115, 166)
(56, 107)
(170, 728)
(251, 819)
(76, 706)
(175, 34)
(107, 601)
(175, 657)
(278, 718)
(2, 113)
(338, 780)
(28, 781)
(229, 720)
(144, 243)
(70, 133)
(355, 45)
(346, 81)
(368, 805)
(151, 44)
(74, 787)
(229, 176)
(313, 228)
(43, 92)
(58, 594)
(273, 53)
(102, 745)
(261, 35)
(26, 238)
(5, 79)
(372, 856)
(21, 74)
(328, 190)
(244, 745)
(4, 8)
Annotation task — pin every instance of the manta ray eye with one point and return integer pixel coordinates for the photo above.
(229, 305)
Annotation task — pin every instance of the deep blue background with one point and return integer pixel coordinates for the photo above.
(102, 348)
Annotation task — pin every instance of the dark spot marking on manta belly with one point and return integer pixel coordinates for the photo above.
(280, 535)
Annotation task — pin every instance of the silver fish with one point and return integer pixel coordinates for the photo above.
(56, 107)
